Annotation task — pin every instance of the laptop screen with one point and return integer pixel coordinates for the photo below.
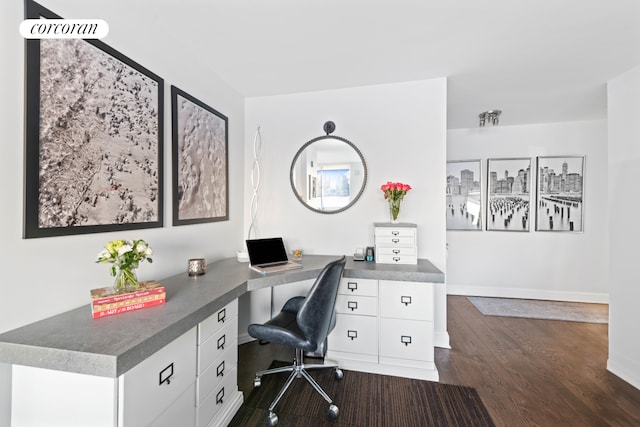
(263, 251)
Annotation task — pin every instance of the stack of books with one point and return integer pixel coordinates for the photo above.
(107, 302)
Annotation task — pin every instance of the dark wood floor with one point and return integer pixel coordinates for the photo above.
(527, 372)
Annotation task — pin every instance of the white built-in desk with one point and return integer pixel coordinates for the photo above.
(71, 369)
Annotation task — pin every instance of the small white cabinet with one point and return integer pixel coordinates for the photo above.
(396, 243)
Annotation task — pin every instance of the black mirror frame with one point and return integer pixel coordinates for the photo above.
(364, 180)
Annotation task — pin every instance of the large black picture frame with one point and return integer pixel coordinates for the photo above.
(200, 148)
(93, 138)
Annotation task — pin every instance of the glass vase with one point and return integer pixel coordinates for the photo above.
(126, 280)
(394, 211)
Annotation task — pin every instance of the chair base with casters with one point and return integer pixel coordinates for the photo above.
(304, 324)
(299, 370)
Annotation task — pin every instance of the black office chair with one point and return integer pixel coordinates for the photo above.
(304, 324)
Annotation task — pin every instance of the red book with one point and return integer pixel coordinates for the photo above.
(127, 308)
(131, 301)
(109, 295)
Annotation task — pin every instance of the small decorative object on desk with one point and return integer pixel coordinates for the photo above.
(108, 302)
(125, 257)
(394, 193)
(196, 267)
(297, 254)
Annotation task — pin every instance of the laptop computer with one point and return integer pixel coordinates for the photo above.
(269, 256)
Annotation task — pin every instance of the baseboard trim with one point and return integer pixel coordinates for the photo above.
(524, 293)
(245, 338)
(441, 339)
(625, 369)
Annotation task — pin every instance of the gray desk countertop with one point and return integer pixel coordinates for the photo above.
(74, 342)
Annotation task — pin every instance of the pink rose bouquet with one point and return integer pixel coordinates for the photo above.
(394, 192)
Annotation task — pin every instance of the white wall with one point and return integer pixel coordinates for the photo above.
(56, 273)
(544, 265)
(400, 130)
(50, 275)
(624, 234)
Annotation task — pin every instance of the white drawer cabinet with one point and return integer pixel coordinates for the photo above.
(218, 371)
(396, 243)
(217, 397)
(406, 324)
(385, 327)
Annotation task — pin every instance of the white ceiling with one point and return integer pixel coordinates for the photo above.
(538, 61)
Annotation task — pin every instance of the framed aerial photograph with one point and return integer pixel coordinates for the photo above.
(560, 193)
(464, 195)
(94, 137)
(509, 184)
(200, 161)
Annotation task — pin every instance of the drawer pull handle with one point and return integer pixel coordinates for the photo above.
(220, 369)
(352, 334)
(352, 305)
(395, 233)
(396, 251)
(396, 258)
(352, 286)
(222, 315)
(221, 342)
(395, 240)
(405, 339)
(220, 396)
(406, 300)
(166, 374)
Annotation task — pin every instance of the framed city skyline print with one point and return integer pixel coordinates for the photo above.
(94, 138)
(200, 161)
(509, 184)
(464, 195)
(560, 193)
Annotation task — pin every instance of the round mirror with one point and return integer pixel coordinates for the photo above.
(328, 173)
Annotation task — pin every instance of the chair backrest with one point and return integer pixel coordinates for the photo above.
(316, 315)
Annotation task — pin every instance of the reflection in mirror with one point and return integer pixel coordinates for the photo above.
(328, 174)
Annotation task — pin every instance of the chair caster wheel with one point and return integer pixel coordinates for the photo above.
(338, 374)
(333, 412)
(272, 420)
(257, 382)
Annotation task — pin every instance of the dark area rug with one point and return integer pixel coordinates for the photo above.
(364, 400)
